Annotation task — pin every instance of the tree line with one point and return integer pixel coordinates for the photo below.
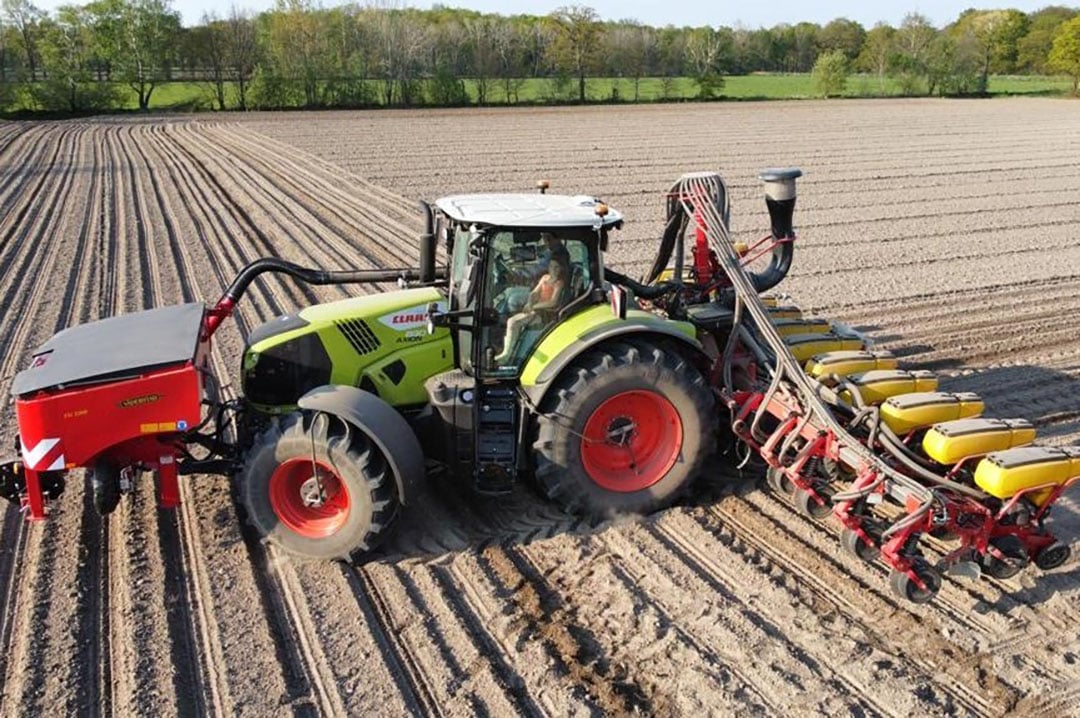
(300, 54)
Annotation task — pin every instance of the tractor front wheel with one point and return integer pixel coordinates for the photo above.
(318, 488)
(626, 429)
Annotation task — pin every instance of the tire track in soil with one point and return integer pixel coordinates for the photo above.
(431, 647)
(195, 656)
(574, 649)
(95, 692)
(462, 594)
(628, 562)
(838, 619)
(326, 203)
(747, 696)
(404, 668)
(931, 687)
(32, 142)
(187, 552)
(14, 579)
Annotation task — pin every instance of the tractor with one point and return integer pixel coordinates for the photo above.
(512, 355)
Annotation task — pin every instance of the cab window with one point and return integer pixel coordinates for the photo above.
(531, 277)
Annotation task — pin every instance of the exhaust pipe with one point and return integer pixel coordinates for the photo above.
(428, 243)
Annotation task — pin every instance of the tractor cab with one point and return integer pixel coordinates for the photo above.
(520, 264)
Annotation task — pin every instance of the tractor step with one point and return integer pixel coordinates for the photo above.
(496, 440)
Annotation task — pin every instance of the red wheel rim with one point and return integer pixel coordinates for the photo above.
(295, 499)
(631, 441)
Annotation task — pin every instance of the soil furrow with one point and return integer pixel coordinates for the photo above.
(195, 654)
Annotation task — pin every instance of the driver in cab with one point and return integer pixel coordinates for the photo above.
(548, 294)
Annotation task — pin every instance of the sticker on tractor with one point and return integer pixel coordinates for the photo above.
(411, 318)
(140, 401)
(38, 457)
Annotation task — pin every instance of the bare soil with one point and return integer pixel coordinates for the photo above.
(944, 229)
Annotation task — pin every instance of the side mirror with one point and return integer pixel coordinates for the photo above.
(436, 318)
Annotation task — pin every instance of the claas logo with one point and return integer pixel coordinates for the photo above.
(140, 401)
(408, 318)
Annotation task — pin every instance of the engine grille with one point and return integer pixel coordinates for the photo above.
(359, 334)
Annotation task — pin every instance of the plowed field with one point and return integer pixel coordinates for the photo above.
(944, 229)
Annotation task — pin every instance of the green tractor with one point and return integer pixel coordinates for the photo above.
(522, 360)
(516, 357)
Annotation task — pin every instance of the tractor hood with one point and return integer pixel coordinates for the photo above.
(378, 342)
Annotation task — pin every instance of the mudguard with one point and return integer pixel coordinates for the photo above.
(380, 422)
(587, 329)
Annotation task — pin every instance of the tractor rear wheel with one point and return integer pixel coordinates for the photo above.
(625, 429)
(318, 488)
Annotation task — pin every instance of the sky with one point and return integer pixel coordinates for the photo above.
(685, 12)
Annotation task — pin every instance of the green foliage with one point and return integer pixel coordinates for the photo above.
(576, 42)
(843, 35)
(1065, 53)
(130, 53)
(995, 34)
(270, 91)
(709, 85)
(830, 73)
(447, 90)
(1034, 48)
(955, 66)
(910, 61)
(877, 53)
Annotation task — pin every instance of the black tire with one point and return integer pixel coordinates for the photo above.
(807, 505)
(779, 482)
(597, 376)
(1052, 556)
(1016, 557)
(856, 545)
(905, 588)
(358, 466)
(105, 487)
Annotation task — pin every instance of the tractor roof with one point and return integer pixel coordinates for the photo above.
(536, 211)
